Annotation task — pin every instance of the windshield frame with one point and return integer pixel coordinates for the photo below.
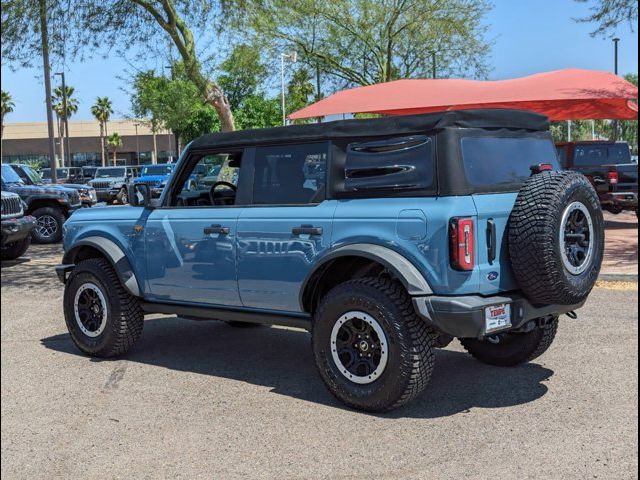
(122, 169)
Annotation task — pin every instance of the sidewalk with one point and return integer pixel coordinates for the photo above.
(621, 248)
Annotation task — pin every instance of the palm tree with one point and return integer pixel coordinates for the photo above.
(58, 100)
(114, 141)
(102, 110)
(7, 107)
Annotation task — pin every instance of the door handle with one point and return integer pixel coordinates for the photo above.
(216, 229)
(306, 230)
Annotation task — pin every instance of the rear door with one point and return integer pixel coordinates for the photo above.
(496, 168)
(286, 227)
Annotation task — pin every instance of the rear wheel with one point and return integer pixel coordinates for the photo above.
(14, 250)
(103, 319)
(372, 351)
(511, 349)
(49, 221)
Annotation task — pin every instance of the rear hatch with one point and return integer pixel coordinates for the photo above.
(496, 168)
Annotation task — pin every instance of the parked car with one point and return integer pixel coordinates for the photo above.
(111, 183)
(64, 175)
(16, 227)
(30, 177)
(51, 205)
(386, 238)
(88, 173)
(609, 167)
(156, 177)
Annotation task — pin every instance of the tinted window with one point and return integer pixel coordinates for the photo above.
(110, 172)
(9, 175)
(619, 153)
(585, 155)
(46, 173)
(503, 161)
(391, 164)
(157, 169)
(292, 174)
(562, 156)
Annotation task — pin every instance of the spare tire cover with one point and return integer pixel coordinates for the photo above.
(556, 238)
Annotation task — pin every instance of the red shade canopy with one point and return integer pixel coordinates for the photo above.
(561, 95)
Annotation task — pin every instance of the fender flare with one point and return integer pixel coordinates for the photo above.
(400, 266)
(116, 257)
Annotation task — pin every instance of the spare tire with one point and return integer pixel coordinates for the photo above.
(556, 238)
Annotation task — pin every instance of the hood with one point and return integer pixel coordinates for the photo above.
(107, 179)
(152, 178)
(103, 213)
(40, 190)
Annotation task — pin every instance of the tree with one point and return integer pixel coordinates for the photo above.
(6, 105)
(243, 74)
(114, 141)
(62, 114)
(362, 42)
(84, 26)
(300, 90)
(102, 111)
(608, 14)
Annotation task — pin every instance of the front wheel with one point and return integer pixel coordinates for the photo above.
(372, 351)
(511, 349)
(49, 221)
(16, 249)
(103, 319)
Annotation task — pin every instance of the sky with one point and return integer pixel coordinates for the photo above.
(529, 36)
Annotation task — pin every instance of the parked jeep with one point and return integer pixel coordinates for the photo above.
(609, 167)
(64, 175)
(30, 177)
(386, 238)
(16, 227)
(51, 205)
(111, 183)
(156, 177)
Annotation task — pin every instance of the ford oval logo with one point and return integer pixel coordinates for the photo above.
(491, 276)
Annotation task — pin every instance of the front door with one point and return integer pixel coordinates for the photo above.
(191, 240)
(286, 227)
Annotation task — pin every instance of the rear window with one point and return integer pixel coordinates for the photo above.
(504, 161)
(586, 155)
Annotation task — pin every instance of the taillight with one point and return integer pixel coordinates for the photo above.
(461, 243)
(613, 178)
(541, 167)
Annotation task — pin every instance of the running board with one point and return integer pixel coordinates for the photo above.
(214, 313)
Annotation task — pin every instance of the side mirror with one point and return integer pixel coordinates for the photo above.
(139, 195)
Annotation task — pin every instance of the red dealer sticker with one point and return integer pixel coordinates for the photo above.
(497, 317)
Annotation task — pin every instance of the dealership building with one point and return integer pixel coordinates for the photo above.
(29, 142)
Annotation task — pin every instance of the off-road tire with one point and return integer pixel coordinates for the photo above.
(16, 249)
(513, 348)
(124, 316)
(534, 238)
(57, 215)
(411, 344)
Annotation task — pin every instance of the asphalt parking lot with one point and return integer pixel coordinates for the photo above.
(206, 400)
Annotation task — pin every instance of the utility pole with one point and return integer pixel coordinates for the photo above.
(44, 34)
(66, 120)
(433, 65)
(137, 144)
(615, 70)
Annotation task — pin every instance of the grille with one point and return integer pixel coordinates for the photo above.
(151, 183)
(11, 206)
(102, 184)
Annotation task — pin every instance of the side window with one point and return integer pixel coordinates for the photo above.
(290, 174)
(562, 156)
(212, 181)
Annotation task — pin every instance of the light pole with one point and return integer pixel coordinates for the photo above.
(433, 65)
(615, 70)
(293, 58)
(66, 120)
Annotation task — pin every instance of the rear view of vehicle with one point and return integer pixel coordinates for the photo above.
(609, 167)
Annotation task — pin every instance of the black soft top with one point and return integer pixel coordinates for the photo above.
(392, 125)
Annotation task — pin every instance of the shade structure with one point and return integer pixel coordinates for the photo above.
(571, 94)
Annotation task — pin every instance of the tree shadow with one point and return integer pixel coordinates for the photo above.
(281, 359)
(35, 270)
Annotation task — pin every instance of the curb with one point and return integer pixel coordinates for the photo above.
(618, 277)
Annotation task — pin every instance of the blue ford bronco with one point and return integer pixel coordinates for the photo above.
(385, 238)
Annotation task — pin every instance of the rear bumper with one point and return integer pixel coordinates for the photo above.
(16, 229)
(464, 317)
(625, 200)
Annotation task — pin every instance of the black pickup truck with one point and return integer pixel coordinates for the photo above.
(609, 167)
